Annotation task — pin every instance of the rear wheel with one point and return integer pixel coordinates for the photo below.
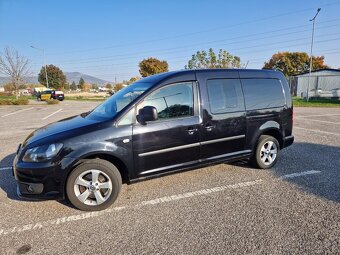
(266, 153)
(93, 185)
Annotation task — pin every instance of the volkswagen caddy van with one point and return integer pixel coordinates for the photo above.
(161, 124)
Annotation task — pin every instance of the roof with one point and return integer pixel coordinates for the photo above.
(320, 70)
(243, 72)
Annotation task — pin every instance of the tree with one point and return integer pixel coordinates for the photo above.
(55, 76)
(15, 66)
(73, 86)
(87, 87)
(81, 83)
(132, 80)
(118, 86)
(152, 66)
(108, 86)
(9, 87)
(203, 60)
(95, 86)
(67, 86)
(291, 63)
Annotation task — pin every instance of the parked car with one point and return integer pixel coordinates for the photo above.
(161, 124)
(51, 94)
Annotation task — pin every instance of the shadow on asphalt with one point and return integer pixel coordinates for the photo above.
(299, 157)
(7, 181)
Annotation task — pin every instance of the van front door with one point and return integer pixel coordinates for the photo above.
(223, 133)
(172, 141)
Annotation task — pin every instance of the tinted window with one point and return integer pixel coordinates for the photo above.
(262, 93)
(225, 95)
(172, 101)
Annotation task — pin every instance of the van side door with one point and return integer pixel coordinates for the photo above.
(172, 141)
(223, 132)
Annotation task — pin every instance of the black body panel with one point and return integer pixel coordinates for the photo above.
(207, 136)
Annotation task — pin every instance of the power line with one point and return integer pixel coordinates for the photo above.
(180, 49)
(202, 31)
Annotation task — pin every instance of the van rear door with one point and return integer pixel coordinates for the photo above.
(223, 112)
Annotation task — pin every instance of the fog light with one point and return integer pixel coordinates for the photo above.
(30, 189)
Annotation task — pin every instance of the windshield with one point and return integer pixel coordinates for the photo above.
(118, 101)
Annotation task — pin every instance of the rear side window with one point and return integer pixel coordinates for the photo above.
(225, 95)
(262, 93)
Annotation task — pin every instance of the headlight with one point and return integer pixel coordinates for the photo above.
(42, 153)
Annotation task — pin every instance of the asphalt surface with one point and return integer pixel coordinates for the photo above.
(293, 208)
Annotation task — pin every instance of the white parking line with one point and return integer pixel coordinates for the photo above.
(322, 121)
(52, 114)
(293, 175)
(22, 110)
(317, 115)
(5, 168)
(317, 131)
(83, 216)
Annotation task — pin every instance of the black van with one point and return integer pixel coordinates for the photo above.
(161, 124)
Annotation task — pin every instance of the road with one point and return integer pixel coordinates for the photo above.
(223, 209)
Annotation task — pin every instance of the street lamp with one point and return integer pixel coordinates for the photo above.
(311, 52)
(44, 62)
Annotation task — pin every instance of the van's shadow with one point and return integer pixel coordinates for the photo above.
(7, 181)
(299, 157)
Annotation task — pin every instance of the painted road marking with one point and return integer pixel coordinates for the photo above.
(294, 175)
(322, 121)
(166, 199)
(52, 114)
(22, 110)
(318, 115)
(317, 131)
(5, 168)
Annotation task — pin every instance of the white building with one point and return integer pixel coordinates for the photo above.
(323, 83)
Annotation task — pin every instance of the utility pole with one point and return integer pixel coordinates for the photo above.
(43, 50)
(311, 52)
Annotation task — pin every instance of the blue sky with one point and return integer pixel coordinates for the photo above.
(107, 39)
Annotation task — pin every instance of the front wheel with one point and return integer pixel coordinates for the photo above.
(266, 153)
(93, 185)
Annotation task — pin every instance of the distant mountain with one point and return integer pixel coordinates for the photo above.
(75, 76)
(70, 76)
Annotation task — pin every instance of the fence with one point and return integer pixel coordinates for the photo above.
(327, 86)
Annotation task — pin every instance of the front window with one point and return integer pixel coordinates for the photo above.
(171, 101)
(118, 101)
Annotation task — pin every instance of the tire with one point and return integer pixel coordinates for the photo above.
(93, 185)
(266, 153)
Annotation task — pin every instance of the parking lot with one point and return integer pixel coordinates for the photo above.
(222, 209)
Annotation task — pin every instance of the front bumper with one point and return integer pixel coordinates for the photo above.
(41, 180)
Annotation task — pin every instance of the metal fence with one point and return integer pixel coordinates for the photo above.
(327, 86)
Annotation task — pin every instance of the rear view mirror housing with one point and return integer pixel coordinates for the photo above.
(147, 113)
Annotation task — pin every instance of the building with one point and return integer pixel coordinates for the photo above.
(323, 83)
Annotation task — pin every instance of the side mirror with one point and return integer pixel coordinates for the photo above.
(147, 113)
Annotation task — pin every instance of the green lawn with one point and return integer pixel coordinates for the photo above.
(81, 98)
(322, 102)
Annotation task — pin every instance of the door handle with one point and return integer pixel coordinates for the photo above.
(191, 131)
(209, 128)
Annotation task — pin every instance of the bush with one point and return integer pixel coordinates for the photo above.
(19, 101)
(6, 94)
(52, 101)
(5, 101)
